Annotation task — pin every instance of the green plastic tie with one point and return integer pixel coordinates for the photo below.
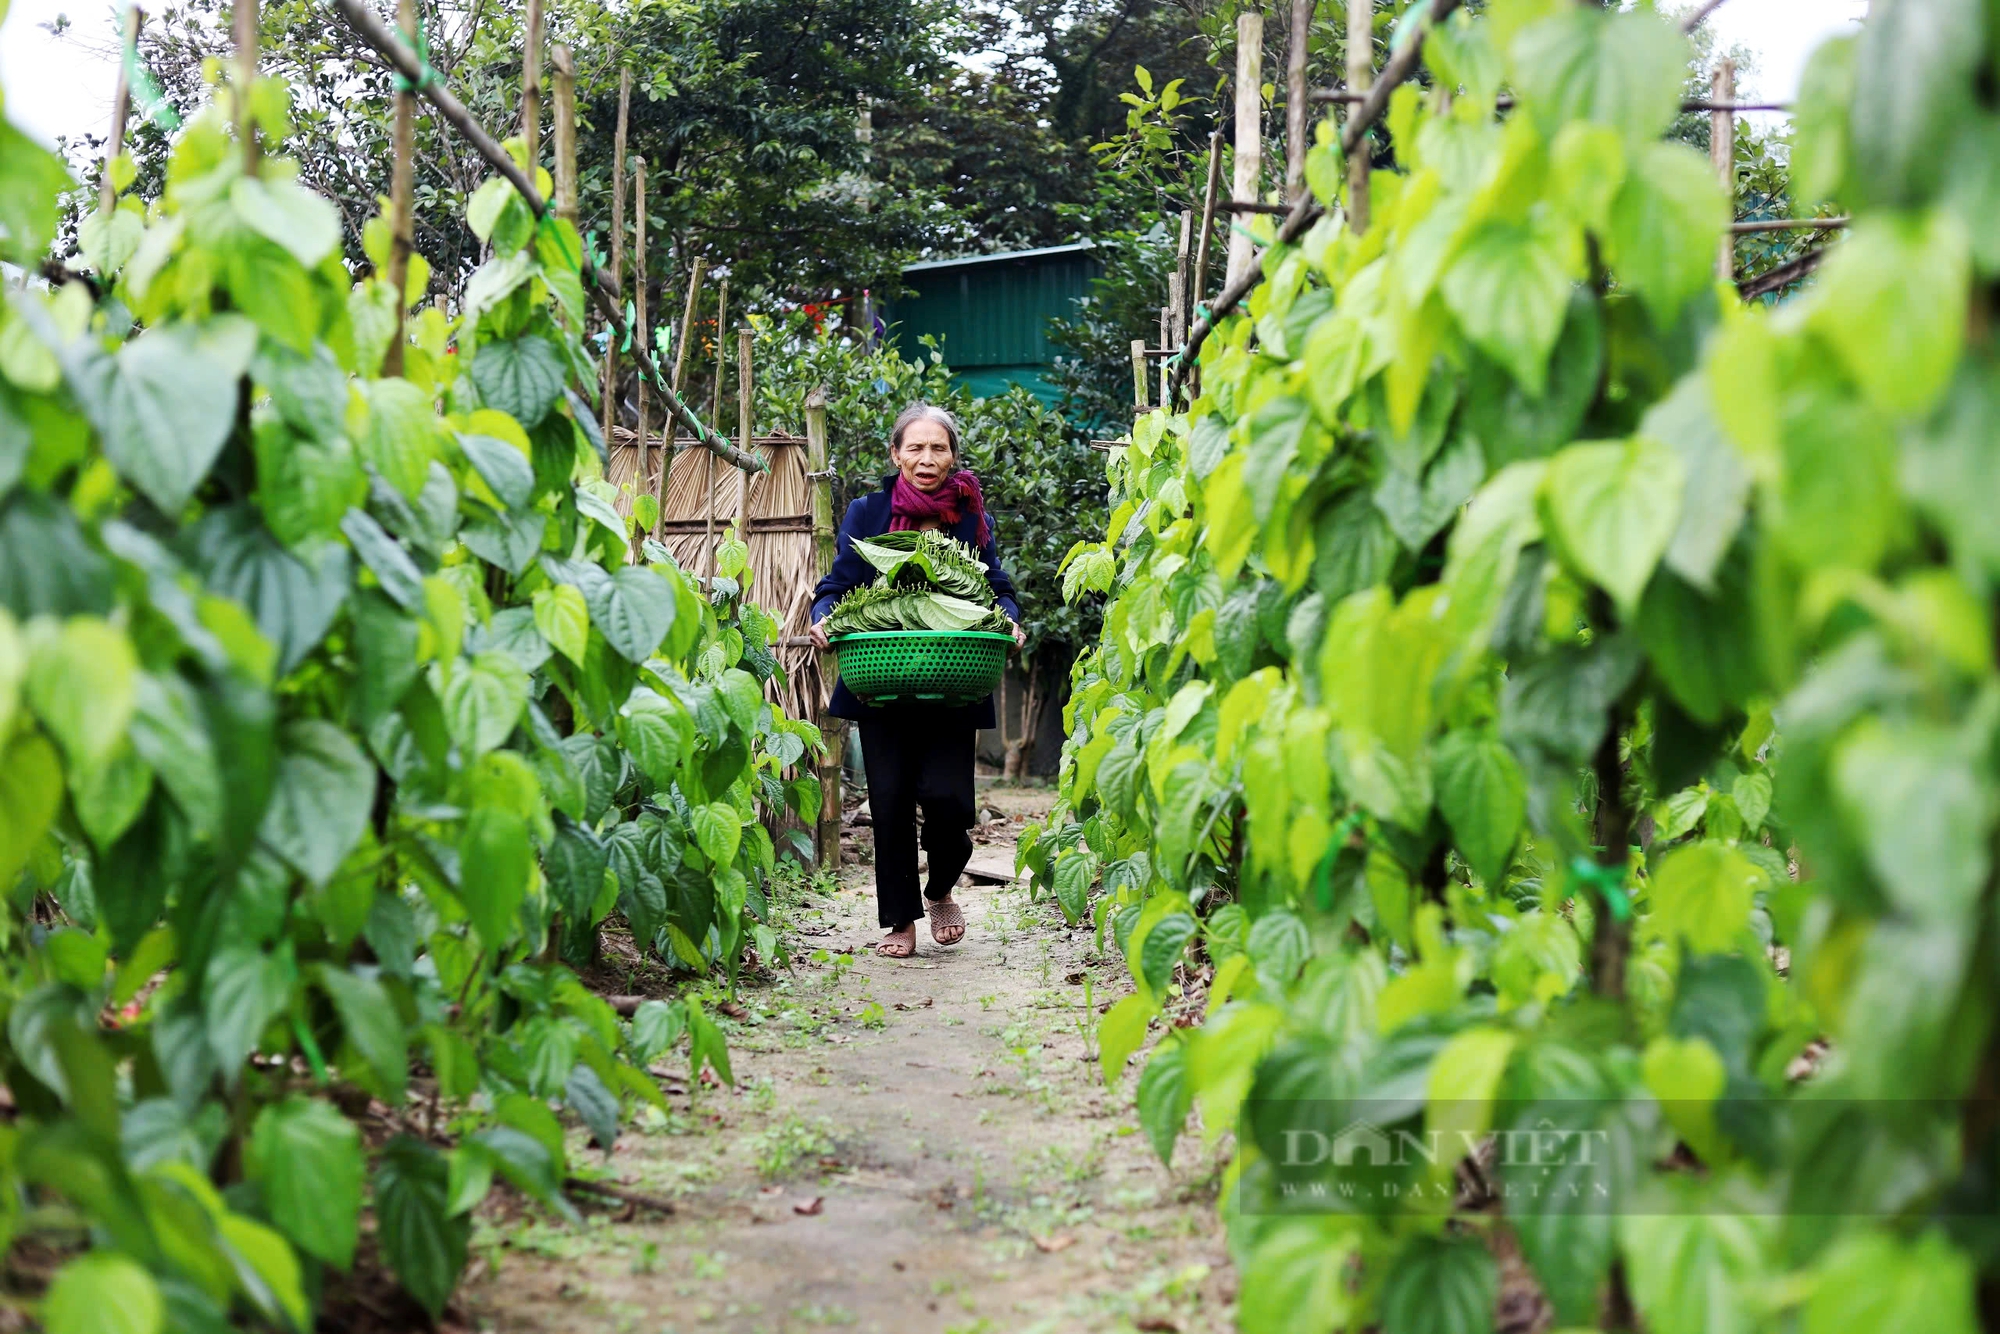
(147, 99)
(428, 77)
(1608, 881)
(311, 1048)
(1341, 833)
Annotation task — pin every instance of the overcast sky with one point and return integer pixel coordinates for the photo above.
(62, 85)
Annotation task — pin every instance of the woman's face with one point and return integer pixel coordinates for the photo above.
(925, 458)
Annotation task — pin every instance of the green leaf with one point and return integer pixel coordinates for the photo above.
(1416, 512)
(31, 179)
(1075, 869)
(401, 436)
(1875, 1281)
(293, 598)
(1162, 948)
(164, 405)
(1921, 804)
(1624, 70)
(510, 541)
(1120, 1033)
(310, 393)
(512, 635)
(1463, 1079)
(289, 214)
(1164, 1098)
(1509, 289)
(717, 830)
(1718, 483)
(586, 1095)
(369, 1018)
(103, 1292)
(574, 863)
(306, 1159)
(634, 609)
(1666, 224)
(1483, 797)
(1693, 1273)
(658, 733)
(1559, 701)
(83, 681)
(1910, 274)
(304, 484)
(384, 555)
(706, 1045)
(47, 566)
(386, 641)
(483, 701)
(109, 797)
(1612, 508)
(1897, 124)
(495, 862)
(1295, 1281)
(244, 989)
(1704, 649)
(522, 377)
(320, 803)
(1703, 893)
(1440, 1285)
(110, 239)
(507, 472)
(421, 1241)
(656, 1027)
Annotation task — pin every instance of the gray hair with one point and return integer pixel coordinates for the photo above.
(924, 412)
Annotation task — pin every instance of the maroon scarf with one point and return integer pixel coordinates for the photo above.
(957, 497)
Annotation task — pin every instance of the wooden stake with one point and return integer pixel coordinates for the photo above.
(1177, 282)
(1722, 153)
(617, 244)
(1360, 78)
(1296, 141)
(1139, 374)
(687, 320)
(642, 337)
(565, 65)
(715, 415)
(1198, 290)
(402, 188)
(746, 438)
(1249, 133)
(243, 28)
(121, 108)
(531, 88)
(1166, 346)
(826, 840)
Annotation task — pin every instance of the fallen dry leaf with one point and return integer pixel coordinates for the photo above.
(923, 1004)
(733, 1010)
(1050, 1245)
(809, 1207)
(1159, 1322)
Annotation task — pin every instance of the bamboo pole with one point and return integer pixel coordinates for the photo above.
(1505, 102)
(1722, 154)
(402, 189)
(642, 333)
(1139, 390)
(617, 241)
(1789, 225)
(243, 29)
(1295, 101)
(1360, 78)
(1177, 283)
(1249, 133)
(121, 107)
(687, 320)
(715, 415)
(531, 88)
(565, 81)
(1166, 348)
(826, 838)
(604, 292)
(1305, 213)
(746, 438)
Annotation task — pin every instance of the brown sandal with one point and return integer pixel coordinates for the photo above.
(947, 921)
(900, 943)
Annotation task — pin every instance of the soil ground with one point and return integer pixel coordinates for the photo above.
(913, 1146)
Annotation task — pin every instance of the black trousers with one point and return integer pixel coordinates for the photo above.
(917, 759)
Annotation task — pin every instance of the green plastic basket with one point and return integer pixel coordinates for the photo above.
(941, 666)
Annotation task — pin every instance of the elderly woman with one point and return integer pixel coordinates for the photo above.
(917, 754)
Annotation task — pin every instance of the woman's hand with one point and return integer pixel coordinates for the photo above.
(817, 633)
(1020, 635)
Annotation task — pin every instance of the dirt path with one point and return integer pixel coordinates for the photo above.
(972, 1174)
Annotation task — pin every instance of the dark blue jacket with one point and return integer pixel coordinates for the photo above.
(869, 517)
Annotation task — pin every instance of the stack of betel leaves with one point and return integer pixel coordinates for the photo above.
(925, 580)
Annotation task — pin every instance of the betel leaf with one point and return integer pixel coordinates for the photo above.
(1483, 797)
(586, 1095)
(1665, 225)
(103, 1292)
(304, 484)
(369, 1019)
(495, 862)
(717, 831)
(1075, 869)
(522, 377)
(1876, 1281)
(1704, 649)
(1611, 508)
(1416, 511)
(1897, 130)
(1559, 701)
(1164, 1098)
(306, 1160)
(633, 609)
(385, 558)
(243, 989)
(1624, 70)
(1161, 949)
(658, 733)
(1718, 483)
(1702, 893)
(421, 1241)
(400, 438)
(83, 682)
(483, 701)
(1509, 289)
(574, 863)
(506, 471)
(1921, 805)
(286, 212)
(166, 402)
(1440, 1285)
(319, 805)
(293, 598)
(47, 566)
(564, 620)
(1876, 280)
(386, 642)
(1120, 1033)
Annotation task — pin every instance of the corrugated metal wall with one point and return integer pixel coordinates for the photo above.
(991, 317)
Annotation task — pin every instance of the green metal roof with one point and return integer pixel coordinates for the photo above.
(990, 313)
